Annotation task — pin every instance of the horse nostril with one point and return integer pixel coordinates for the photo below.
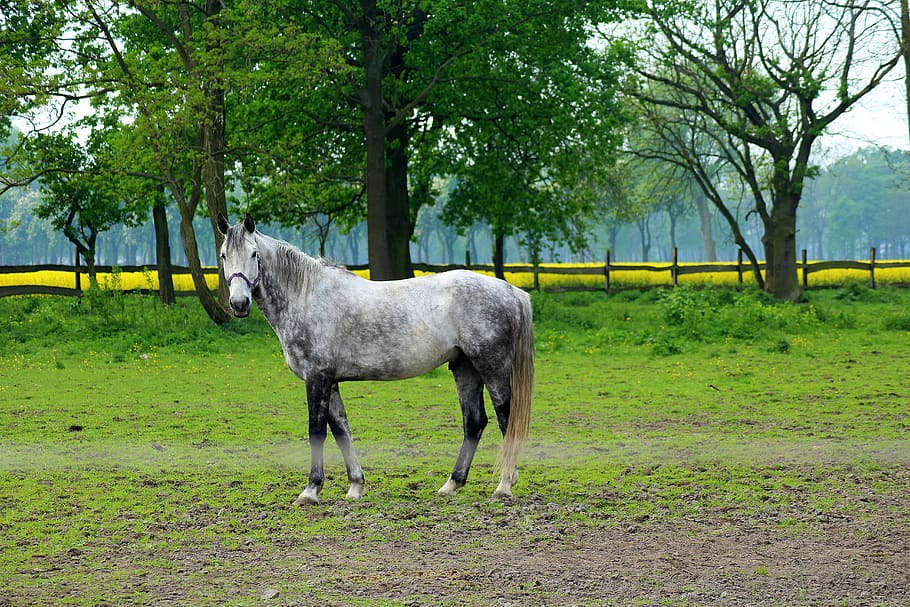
(240, 305)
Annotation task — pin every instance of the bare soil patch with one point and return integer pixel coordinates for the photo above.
(740, 562)
(529, 552)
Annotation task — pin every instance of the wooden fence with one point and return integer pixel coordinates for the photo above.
(606, 273)
(78, 273)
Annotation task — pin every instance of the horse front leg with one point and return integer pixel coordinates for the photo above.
(319, 394)
(341, 430)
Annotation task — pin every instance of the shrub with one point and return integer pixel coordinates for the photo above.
(712, 314)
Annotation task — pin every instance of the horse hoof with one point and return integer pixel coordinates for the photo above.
(450, 488)
(355, 492)
(307, 498)
(502, 491)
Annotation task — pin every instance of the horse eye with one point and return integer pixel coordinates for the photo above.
(254, 254)
(223, 256)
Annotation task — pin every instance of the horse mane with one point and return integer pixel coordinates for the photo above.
(296, 267)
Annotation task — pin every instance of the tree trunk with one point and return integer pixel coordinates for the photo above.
(388, 212)
(673, 219)
(704, 221)
(213, 147)
(644, 231)
(85, 249)
(447, 236)
(163, 253)
(499, 245)
(398, 206)
(89, 254)
(381, 266)
(471, 243)
(211, 304)
(612, 235)
(378, 228)
(905, 51)
(779, 242)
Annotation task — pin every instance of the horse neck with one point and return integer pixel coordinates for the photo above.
(287, 276)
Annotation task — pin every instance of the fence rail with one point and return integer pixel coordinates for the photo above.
(609, 275)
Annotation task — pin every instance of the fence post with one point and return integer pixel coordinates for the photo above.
(872, 268)
(78, 273)
(674, 267)
(607, 272)
(805, 270)
(739, 267)
(467, 258)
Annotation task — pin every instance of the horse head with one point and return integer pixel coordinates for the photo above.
(240, 260)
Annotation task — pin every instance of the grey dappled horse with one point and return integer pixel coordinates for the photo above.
(335, 326)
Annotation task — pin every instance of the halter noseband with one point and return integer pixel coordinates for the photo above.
(252, 284)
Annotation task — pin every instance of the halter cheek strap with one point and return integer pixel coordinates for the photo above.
(252, 284)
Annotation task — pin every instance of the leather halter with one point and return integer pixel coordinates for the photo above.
(252, 284)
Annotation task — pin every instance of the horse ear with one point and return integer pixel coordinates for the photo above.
(249, 224)
(223, 225)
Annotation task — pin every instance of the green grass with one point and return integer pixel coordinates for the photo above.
(142, 448)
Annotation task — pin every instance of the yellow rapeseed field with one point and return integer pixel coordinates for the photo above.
(128, 281)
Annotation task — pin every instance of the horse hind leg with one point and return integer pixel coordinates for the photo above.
(470, 395)
(341, 430)
(500, 390)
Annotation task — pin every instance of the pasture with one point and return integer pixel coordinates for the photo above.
(689, 447)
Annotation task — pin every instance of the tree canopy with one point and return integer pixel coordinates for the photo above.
(760, 82)
(332, 111)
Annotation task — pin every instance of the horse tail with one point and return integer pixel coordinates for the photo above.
(522, 384)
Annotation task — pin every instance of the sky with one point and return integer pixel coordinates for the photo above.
(879, 119)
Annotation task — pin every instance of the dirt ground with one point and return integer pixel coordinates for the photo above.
(686, 564)
(835, 560)
(791, 557)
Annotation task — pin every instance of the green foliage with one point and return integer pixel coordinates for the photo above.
(78, 196)
(709, 315)
(760, 110)
(543, 127)
(113, 322)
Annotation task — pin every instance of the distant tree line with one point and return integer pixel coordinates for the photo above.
(855, 203)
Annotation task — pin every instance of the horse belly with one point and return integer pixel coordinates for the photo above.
(395, 360)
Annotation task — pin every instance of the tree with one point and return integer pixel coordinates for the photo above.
(168, 68)
(77, 198)
(92, 47)
(763, 80)
(28, 34)
(163, 247)
(419, 69)
(159, 73)
(540, 127)
(859, 202)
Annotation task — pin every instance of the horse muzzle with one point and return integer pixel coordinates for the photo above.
(240, 305)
